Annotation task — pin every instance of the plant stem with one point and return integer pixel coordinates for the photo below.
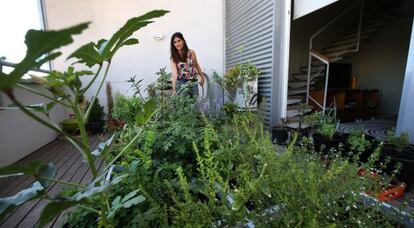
(93, 80)
(85, 118)
(123, 150)
(85, 141)
(41, 94)
(90, 208)
(63, 182)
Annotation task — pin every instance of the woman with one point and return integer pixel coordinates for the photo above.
(185, 66)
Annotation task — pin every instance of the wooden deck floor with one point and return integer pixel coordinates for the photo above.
(70, 167)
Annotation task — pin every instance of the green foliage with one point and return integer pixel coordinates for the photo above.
(8, 204)
(400, 142)
(65, 88)
(358, 142)
(176, 126)
(97, 112)
(164, 79)
(235, 77)
(230, 109)
(126, 108)
(328, 124)
(136, 85)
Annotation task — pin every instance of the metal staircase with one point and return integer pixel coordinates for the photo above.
(343, 46)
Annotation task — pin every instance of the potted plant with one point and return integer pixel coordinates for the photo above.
(236, 80)
(96, 121)
(326, 136)
(359, 145)
(280, 133)
(70, 125)
(398, 149)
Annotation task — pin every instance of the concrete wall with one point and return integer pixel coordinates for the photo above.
(19, 134)
(201, 22)
(303, 7)
(405, 118)
(381, 64)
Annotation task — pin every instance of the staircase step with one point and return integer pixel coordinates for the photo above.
(304, 76)
(296, 97)
(348, 41)
(294, 110)
(355, 33)
(295, 92)
(293, 119)
(339, 47)
(337, 54)
(293, 101)
(314, 69)
(295, 125)
(298, 84)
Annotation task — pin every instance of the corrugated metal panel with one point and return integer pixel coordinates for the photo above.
(249, 38)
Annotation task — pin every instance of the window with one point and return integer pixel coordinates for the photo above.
(18, 16)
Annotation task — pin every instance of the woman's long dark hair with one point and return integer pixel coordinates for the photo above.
(175, 55)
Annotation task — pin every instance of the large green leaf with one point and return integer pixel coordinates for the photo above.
(37, 169)
(93, 188)
(45, 170)
(126, 202)
(131, 26)
(87, 54)
(103, 148)
(146, 113)
(40, 47)
(53, 209)
(9, 203)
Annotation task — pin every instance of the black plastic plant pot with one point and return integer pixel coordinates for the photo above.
(96, 127)
(406, 158)
(323, 144)
(280, 135)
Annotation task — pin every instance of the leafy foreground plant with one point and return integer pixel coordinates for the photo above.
(237, 177)
(66, 89)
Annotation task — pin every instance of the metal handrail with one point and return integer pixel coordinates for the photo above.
(10, 64)
(325, 59)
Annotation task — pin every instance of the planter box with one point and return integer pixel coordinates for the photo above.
(324, 145)
(405, 157)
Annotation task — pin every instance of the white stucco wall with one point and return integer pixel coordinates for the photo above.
(303, 7)
(380, 64)
(201, 23)
(405, 118)
(19, 134)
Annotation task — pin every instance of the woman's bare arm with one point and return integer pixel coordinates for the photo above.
(174, 75)
(198, 67)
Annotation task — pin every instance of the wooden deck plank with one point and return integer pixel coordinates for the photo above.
(70, 167)
(62, 165)
(86, 179)
(43, 154)
(34, 214)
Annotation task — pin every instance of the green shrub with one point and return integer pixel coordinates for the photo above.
(400, 142)
(126, 108)
(97, 112)
(328, 124)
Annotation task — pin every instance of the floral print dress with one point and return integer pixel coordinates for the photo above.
(186, 70)
(187, 73)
